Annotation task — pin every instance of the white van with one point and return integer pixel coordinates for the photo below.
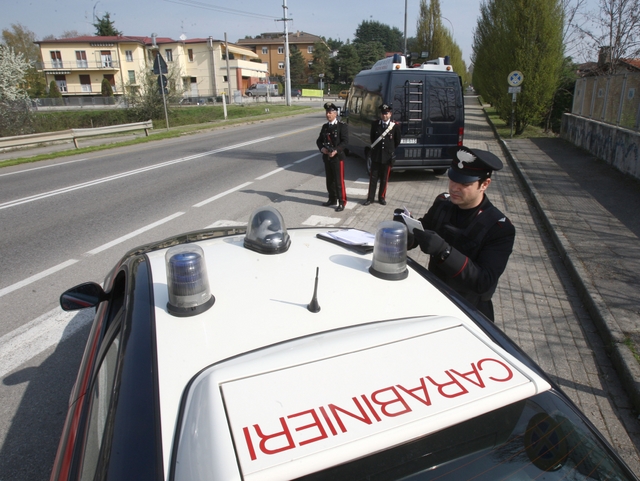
(258, 90)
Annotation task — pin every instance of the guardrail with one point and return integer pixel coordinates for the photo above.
(72, 134)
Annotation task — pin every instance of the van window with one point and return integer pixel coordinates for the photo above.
(442, 104)
(407, 101)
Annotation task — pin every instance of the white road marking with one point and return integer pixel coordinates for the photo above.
(83, 185)
(353, 191)
(119, 240)
(362, 180)
(29, 280)
(216, 197)
(279, 169)
(32, 338)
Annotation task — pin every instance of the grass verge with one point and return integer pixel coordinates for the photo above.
(201, 121)
(504, 130)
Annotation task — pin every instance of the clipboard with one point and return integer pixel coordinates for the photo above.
(357, 240)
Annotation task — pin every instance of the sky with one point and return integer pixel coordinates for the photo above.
(337, 19)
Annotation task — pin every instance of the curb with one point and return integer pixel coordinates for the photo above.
(622, 358)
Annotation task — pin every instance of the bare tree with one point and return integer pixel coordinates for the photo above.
(614, 32)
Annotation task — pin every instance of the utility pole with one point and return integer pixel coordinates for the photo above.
(226, 50)
(405, 28)
(287, 65)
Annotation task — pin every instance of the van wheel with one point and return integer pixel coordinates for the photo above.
(249, 94)
(439, 171)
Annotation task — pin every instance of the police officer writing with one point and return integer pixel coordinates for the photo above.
(468, 239)
(332, 141)
(385, 137)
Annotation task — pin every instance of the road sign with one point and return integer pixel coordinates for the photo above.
(515, 78)
(159, 65)
(515, 90)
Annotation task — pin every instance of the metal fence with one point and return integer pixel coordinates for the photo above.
(613, 99)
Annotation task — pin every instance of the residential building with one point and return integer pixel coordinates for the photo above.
(270, 48)
(78, 65)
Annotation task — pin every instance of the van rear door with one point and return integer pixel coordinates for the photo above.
(429, 107)
(444, 112)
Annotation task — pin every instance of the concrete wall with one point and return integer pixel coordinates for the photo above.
(617, 146)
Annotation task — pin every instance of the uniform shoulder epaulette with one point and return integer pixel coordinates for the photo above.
(443, 196)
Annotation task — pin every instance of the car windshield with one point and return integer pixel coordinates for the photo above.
(538, 438)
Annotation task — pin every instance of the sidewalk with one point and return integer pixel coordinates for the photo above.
(591, 212)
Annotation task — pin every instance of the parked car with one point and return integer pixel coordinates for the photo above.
(343, 94)
(275, 353)
(261, 90)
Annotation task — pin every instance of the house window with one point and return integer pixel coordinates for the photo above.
(56, 59)
(280, 65)
(190, 54)
(132, 76)
(129, 55)
(168, 55)
(105, 57)
(281, 50)
(85, 83)
(61, 82)
(81, 59)
(310, 64)
(151, 54)
(265, 50)
(310, 49)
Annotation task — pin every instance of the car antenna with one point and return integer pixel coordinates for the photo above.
(313, 305)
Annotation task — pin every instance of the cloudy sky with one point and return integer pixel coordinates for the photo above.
(336, 19)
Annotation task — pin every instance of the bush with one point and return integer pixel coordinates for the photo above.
(107, 91)
(54, 91)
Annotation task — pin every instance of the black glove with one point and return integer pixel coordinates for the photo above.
(430, 242)
(398, 217)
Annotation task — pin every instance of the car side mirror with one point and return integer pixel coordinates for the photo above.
(82, 296)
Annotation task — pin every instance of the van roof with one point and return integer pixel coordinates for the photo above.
(399, 62)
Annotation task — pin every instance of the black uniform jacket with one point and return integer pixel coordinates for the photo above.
(383, 151)
(334, 136)
(481, 240)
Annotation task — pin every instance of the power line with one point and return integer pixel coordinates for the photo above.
(216, 8)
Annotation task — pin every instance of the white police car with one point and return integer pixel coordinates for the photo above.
(295, 354)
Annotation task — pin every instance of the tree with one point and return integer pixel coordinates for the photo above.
(391, 38)
(435, 39)
(333, 44)
(13, 68)
(14, 108)
(54, 91)
(320, 63)
(616, 30)
(523, 35)
(297, 64)
(22, 41)
(106, 89)
(347, 64)
(105, 26)
(369, 53)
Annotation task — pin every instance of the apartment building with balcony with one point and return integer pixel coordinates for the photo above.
(270, 48)
(78, 65)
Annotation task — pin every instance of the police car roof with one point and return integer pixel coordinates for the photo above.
(276, 388)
